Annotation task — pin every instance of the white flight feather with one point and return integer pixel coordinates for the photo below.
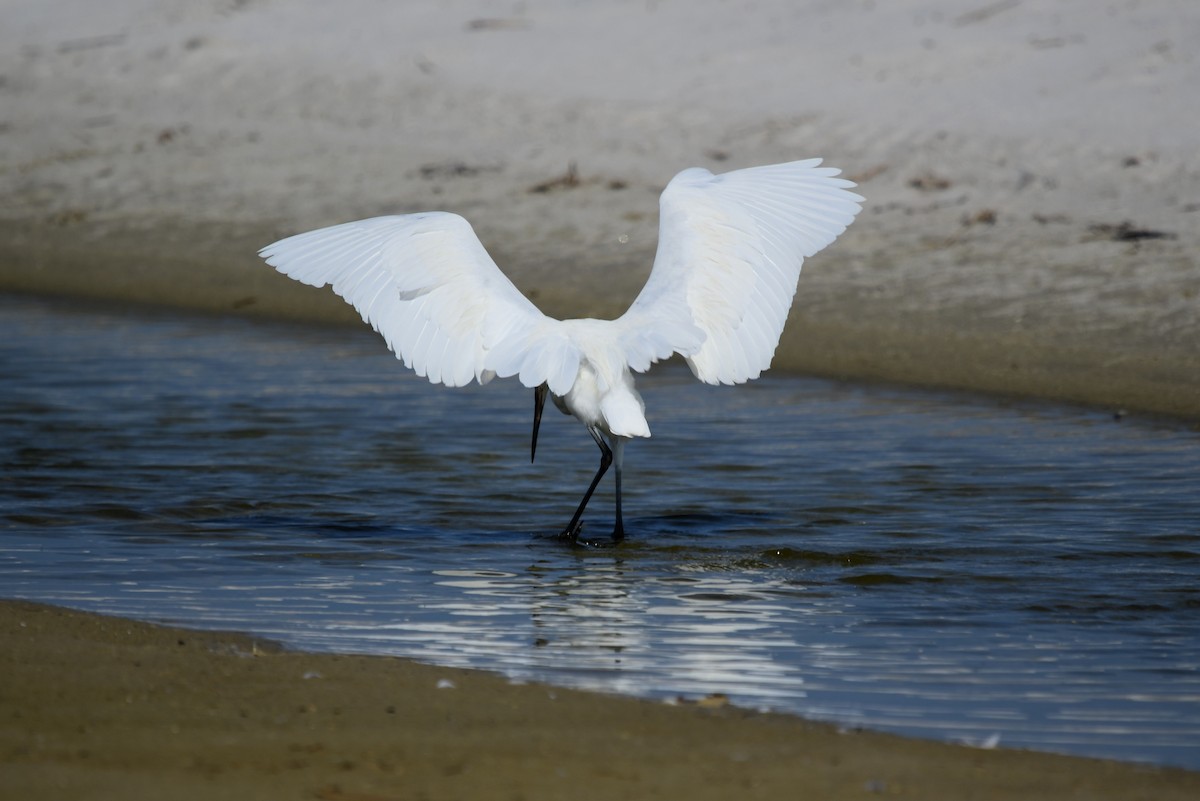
(730, 249)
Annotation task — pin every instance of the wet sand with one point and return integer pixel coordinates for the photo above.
(93, 707)
(1033, 197)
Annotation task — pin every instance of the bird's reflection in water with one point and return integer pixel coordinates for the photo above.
(590, 625)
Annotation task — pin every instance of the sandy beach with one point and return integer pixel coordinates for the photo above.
(100, 708)
(1032, 192)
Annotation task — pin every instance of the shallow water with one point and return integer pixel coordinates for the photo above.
(937, 565)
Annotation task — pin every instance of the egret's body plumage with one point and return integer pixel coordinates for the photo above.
(729, 255)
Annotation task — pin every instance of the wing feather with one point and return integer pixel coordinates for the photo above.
(427, 285)
(729, 255)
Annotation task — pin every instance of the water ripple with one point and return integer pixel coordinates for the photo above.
(937, 565)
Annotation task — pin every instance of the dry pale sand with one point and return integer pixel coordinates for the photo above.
(1030, 167)
(100, 708)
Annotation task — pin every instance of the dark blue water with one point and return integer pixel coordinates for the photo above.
(943, 566)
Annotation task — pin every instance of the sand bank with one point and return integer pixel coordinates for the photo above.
(93, 707)
(1032, 190)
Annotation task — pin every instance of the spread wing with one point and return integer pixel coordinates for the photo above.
(729, 255)
(426, 283)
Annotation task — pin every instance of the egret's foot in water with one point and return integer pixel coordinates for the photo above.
(572, 536)
(605, 543)
(571, 532)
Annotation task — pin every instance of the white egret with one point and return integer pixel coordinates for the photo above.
(729, 254)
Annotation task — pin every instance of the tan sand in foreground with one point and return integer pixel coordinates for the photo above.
(94, 707)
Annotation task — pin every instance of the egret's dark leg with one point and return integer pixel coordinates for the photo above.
(618, 449)
(571, 532)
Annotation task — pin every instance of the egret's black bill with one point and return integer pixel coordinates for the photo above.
(539, 400)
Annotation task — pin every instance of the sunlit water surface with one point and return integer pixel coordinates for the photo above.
(942, 566)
